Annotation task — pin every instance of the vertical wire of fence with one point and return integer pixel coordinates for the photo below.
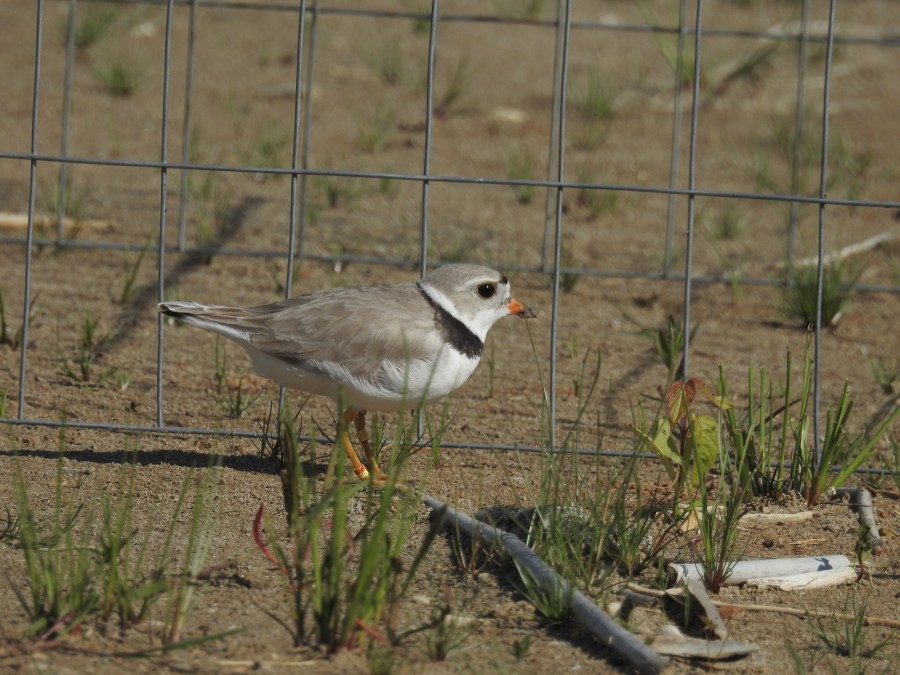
(32, 190)
(820, 236)
(692, 184)
(186, 123)
(799, 121)
(675, 148)
(63, 179)
(163, 208)
(560, 79)
(299, 141)
(301, 168)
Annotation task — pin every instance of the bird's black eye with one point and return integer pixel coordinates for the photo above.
(487, 290)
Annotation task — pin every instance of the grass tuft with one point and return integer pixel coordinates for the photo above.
(885, 371)
(92, 26)
(270, 149)
(13, 340)
(851, 638)
(800, 294)
(375, 133)
(336, 191)
(519, 9)
(91, 346)
(121, 76)
(446, 632)
(669, 341)
(387, 63)
(554, 603)
(719, 516)
(131, 273)
(595, 100)
(520, 165)
(728, 223)
(345, 581)
(772, 441)
(82, 567)
(450, 100)
(233, 399)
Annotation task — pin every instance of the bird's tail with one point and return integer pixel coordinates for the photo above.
(216, 318)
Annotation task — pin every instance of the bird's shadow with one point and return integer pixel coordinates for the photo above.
(181, 458)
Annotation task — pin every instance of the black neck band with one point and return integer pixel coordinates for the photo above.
(454, 331)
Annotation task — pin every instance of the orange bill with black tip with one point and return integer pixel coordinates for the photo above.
(520, 310)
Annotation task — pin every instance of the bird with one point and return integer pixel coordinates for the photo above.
(385, 348)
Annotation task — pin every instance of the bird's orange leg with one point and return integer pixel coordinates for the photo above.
(358, 468)
(363, 435)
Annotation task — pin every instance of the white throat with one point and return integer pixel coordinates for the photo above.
(478, 324)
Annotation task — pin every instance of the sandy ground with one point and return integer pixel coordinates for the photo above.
(242, 111)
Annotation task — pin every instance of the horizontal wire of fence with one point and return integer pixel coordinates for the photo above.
(789, 31)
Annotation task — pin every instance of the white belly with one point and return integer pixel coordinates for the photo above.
(395, 386)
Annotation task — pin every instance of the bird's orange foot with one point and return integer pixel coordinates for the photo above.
(379, 478)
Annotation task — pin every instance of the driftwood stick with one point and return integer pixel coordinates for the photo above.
(861, 503)
(847, 251)
(776, 518)
(625, 644)
(19, 222)
(793, 611)
(804, 582)
(744, 570)
(714, 619)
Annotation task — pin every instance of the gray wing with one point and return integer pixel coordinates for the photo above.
(357, 326)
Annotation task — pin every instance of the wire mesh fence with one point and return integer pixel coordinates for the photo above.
(682, 145)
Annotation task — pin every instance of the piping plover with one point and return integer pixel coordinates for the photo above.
(389, 347)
